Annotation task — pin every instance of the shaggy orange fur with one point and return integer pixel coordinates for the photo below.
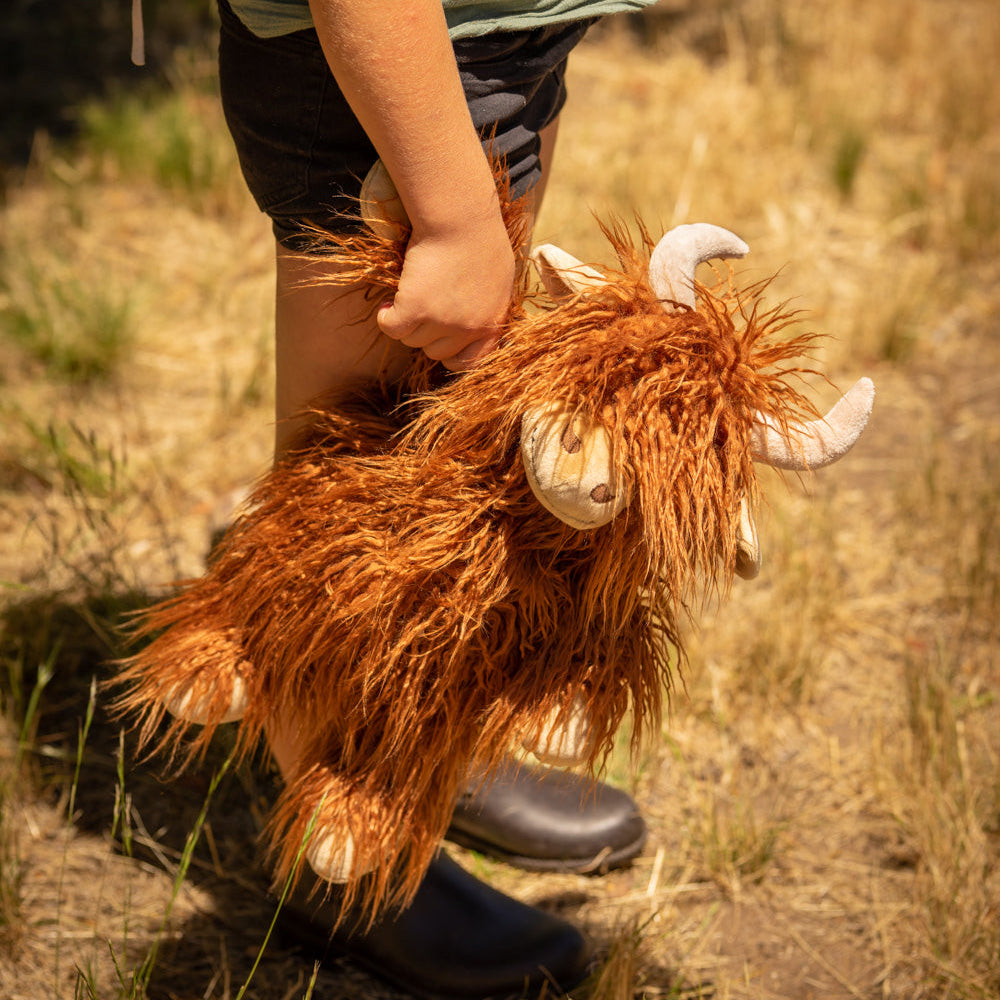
(395, 583)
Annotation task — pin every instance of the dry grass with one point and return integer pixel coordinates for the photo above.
(824, 804)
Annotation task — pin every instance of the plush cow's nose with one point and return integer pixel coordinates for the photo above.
(602, 494)
(571, 444)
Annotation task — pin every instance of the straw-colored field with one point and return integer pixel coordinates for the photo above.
(824, 800)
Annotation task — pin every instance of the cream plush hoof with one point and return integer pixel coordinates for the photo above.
(564, 740)
(185, 705)
(381, 207)
(331, 856)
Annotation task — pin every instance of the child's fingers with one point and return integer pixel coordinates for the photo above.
(457, 350)
(414, 330)
(471, 354)
(394, 323)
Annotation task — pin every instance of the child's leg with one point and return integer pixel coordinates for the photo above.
(324, 338)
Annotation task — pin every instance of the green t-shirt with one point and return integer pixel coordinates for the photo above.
(466, 18)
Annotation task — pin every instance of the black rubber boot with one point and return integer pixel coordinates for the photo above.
(458, 940)
(544, 819)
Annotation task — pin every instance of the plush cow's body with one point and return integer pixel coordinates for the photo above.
(396, 586)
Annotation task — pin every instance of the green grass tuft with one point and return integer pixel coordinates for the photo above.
(848, 155)
(78, 329)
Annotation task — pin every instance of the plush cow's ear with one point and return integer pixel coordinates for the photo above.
(747, 546)
(562, 274)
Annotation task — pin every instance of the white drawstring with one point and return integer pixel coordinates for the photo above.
(138, 35)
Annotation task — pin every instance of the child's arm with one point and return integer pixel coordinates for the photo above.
(394, 63)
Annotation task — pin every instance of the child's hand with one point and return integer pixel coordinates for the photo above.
(454, 292)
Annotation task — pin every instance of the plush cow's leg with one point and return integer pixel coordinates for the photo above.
(357, 828)
(195, 669)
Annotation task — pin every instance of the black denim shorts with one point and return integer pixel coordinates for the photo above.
(304, 154)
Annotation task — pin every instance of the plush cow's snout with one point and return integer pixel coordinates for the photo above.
(571, 444)
(569, 463)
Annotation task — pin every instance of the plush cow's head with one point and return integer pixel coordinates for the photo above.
(569, 457)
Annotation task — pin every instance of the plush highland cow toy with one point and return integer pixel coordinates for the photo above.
(453, 565)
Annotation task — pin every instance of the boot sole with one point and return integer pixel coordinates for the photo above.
(599, 864)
